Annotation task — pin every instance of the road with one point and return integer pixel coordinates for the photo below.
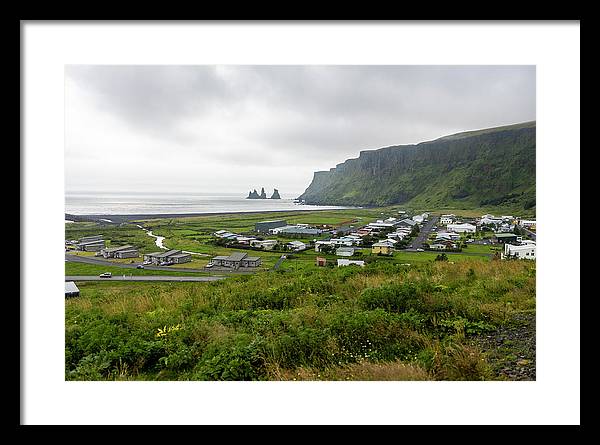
(139, 278)
(528, 232)
(417, 243)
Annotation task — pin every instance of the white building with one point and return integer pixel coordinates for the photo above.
(447, 235)
(526, 252)
(462, 228)
(447, 219)
(296, 246)
(345, 262)
(527, 223)
(344, 251)
(267, 244)
(319, 244)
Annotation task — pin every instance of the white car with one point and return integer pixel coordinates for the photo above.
(420, 250)
(106, 275)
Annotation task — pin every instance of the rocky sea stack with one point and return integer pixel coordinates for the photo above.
(263, 195)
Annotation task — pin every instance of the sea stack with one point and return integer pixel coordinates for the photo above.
(253, 195)
(263, 195)
(275, 194)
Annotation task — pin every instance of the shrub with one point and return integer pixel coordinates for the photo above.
(392, 297)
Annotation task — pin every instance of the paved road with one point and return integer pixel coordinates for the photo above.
(279, 261)
(417, 243)
(528, 232)
(139, 278)
(102, 262)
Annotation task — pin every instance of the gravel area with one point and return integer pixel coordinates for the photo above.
(510, 350)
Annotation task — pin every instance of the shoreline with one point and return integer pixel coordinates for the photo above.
(116, 219)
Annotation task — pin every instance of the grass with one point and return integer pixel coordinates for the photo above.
(381, 322)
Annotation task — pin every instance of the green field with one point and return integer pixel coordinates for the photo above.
(381, 322)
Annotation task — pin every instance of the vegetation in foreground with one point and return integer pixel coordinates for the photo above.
(382, 322)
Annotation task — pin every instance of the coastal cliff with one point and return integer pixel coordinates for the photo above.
(494, 166)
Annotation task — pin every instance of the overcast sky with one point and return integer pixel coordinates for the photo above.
(234, 128)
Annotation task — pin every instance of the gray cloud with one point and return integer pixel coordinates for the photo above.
(183, 122)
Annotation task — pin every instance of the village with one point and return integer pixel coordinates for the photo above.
(514, 237)
(506, 236)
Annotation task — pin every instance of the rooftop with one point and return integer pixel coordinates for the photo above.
(115, 249)
(70, 287)
(237, 256)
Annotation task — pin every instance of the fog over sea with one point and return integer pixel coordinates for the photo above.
(114, 203)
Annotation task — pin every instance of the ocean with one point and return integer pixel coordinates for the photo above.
(88, 203)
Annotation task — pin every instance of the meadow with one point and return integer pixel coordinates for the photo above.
(381, 322)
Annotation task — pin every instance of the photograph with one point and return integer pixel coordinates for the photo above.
(299, 222)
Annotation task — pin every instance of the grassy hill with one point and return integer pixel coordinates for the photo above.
(489, 167)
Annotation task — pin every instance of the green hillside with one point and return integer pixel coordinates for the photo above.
(490, 167)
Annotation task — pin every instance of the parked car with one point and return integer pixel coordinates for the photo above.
(106, 275)
(420, 250)
(139, 266)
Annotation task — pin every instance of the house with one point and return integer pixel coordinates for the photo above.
(390, 241)
(526, 252)
(319, 244)
(296, 230)
(71, 290)
(507, 238)
(344, 251)
(398, 235)
(170, 257)
(527, 223)
(91, 246)
(527, 242)
(418, 219)
(265, 226)
(132, 253)
(224, 234)
(442, 245)
(296, 246)
(343, 230)
(462, 228)
(447, 235)
(180, 258)
(343, 241)
(244, 239)
(490, 220)
(382, 248)
(447, 219)
(267, 244)
(407, 223)
(236, 260)
(320, 261)
(109, 252)
(380, 225)
(345, 262)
